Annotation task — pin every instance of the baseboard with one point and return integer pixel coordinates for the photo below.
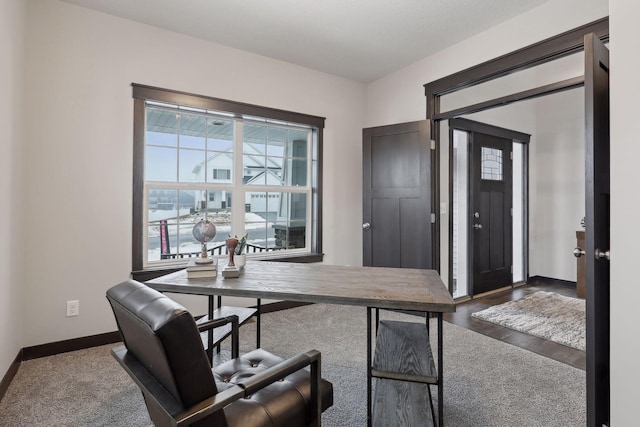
(74, 344)
(542, 280)
(65, 346)
(11, 372)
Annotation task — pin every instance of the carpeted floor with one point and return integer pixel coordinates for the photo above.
(546, 315)
(487, 382)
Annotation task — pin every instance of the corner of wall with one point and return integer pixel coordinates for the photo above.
(13, 17)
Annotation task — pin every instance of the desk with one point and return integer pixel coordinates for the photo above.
(371, 287)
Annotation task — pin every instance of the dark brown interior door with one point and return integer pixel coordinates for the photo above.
(596, 84)
(491, 201)
(397, 196)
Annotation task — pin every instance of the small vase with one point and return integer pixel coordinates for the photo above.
(240, 260)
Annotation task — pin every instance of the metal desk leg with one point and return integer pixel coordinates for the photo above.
(369, 382)
(210, 332)
(211, 318)
(259, 309)
(427, 316)
(440, 364)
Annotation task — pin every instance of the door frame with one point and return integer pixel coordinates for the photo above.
(539, 53)
(467, 125)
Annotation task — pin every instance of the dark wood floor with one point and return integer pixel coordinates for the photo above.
(462, 317)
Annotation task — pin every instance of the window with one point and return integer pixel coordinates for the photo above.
(222, 174)
(250, 170)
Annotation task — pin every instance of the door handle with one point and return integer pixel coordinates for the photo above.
(366, 226)
(578, 252)
(602, 255)
(477, 226)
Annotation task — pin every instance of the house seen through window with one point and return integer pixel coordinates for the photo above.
(246, 174)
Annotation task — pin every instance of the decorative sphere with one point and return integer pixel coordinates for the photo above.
(204, 231)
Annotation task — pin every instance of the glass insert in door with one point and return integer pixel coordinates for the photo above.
(491, 166)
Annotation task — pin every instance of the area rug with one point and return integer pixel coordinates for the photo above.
(546, 315)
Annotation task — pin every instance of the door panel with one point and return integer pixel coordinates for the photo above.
(491, 228)
(385, 246)
(397, 196)
(597, 229)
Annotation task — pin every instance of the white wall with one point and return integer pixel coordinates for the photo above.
(625, 205)
(399, 97)
(12, 20)
(559, 188)
(80, 65)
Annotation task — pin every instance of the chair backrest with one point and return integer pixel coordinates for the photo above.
(163, 336)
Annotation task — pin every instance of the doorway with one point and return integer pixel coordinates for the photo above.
(588, 39)
(488, 207)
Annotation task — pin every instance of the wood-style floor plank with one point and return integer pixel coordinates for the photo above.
(561, 353)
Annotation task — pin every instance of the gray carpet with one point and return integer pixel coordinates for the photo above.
(543, 314)
(487, 382)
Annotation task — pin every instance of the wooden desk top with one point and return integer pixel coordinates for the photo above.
(392, 288)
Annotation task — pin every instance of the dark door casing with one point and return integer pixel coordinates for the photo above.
(397, 196)
(597, 168)
(491, 229)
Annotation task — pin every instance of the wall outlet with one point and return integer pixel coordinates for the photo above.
(73, 308)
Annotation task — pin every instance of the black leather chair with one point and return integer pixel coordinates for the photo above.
(164, 355)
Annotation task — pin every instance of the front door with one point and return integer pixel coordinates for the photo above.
(397, 196)
(490, 220)
(596, 85)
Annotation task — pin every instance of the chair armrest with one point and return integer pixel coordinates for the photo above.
(209, 406)
(269, 376)
(235, 331)
(216, 323)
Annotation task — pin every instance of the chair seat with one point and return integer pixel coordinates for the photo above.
(283, 403)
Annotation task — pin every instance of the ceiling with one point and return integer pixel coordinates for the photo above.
(361, 40)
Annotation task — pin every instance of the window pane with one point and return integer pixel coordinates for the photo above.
(297, 146)
(161, 164)
(254, 138)
(276, 141)
(220, 167)
(162, 204)
(170, 231)
(192, 166)
(219, 135)
(295, 172)
(192, 131)
(274, 171)
(161, 127)
(258, 223)
(254, 154)
(162, 216)
(254, 170)
(290, 228)
(298, 207)
(491, 167)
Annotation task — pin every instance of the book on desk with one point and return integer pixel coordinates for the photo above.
(195, 270)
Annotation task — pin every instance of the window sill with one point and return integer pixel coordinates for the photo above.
(152, 273)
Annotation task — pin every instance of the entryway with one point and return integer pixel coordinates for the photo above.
(488, 207)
